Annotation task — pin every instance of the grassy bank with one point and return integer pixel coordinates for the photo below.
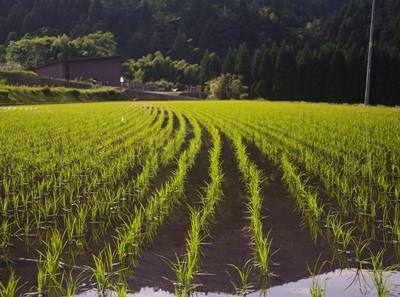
(29, 78)
(14, 95)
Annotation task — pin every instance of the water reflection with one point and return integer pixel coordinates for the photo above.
(339, 283)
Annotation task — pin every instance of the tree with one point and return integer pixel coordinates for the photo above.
(16, 16)
(226, 86)
(205, 68)
(337, 77)
(285, 74)
(181, 48)
(214, 65)
(30, 52)
(3, 30)
(243, 65)
(95, 44)
(96, 13)
(255, 64)
(36, 17)
(228, 65)
(255, 70)
(266, 75)
(305, 72)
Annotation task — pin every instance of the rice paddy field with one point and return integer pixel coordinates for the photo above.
(208, 198)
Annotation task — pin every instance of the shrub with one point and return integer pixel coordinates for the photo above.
(226, 86)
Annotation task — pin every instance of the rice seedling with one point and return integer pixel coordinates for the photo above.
(11, 287)
(121, 290)
(316, 290)
(377, 274)
(71, 285)
(245, 286)
(186, 269)
(51, 258)
(103, 270)
(41, 278)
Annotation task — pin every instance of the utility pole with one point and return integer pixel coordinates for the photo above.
(370, 49)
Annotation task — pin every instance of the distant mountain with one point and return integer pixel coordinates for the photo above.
(193, 25)
(282, 49)
(350, 24)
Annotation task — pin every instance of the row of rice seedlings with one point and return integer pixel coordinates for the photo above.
(80, 216)
(143, 225)
(253, 179)
(49, 209)
(306, 199)
(94, 207)
(274, 150)
(187, 268)
(364, 193)
(75, 221)
(344, 233)
(156, 160)
(44, 269)
(40, 171)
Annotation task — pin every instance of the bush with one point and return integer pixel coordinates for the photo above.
(46, 91)
(4, 96)
(226, 86)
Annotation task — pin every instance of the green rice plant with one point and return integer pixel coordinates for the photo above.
(245, 286)
(100, 275)
(103, 270)
(377, 274)
(41, 277)
(253, 178)
(51, 258)
(5, 233)
(11, 287)
(360, 249)
(186, 269)
(316, 290)
(71, 285)
(121, 290)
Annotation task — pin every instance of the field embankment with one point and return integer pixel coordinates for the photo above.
(17, 95)
(29, 78)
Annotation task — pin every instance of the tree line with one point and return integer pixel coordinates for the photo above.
(33, 51)
(283, 72)
(327, 73)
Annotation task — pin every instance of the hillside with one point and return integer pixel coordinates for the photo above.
(182, 28)
(282, 49)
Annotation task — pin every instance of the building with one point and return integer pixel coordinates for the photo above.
(105, 70)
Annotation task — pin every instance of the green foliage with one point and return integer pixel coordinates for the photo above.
(156, 67)
(14, 95)
(226, 86)
(95, 44)
(33, 51)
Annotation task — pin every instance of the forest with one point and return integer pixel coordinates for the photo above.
(310, 47)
